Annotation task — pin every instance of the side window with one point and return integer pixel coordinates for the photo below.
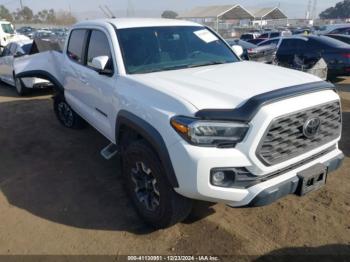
(276, 34)
(293, 44)
(266, 35)
(99, 46)
(289, 44)
(76, 45)
(270, 42)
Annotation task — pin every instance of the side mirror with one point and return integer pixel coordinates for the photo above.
(238, 50)
(99, 64)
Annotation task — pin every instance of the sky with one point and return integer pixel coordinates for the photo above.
(293, 8)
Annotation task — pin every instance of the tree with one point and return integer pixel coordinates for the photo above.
(26, 14)
(5, 13)
(340, 11)
(169, 14)
(51, 16)
(65, 18)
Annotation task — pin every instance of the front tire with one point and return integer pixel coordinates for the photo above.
(20, 87)
(153, 197)
(66, 115)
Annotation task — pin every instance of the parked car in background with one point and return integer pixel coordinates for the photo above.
(342, 29)
(343, 38)
(311, 49)
(249, 36)
(9, 54)
(27, 31)
(263, 54)
(43, 34)
(244, 44)
(8, 34)
(256, 41)
(272, 34)
(302, 31)
(268, 35)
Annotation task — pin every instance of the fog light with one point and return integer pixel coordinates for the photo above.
(218, 178)
(234, 177)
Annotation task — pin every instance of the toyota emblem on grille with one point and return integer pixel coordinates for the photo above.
(312, 127)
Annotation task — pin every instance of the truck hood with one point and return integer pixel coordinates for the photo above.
(223, 86)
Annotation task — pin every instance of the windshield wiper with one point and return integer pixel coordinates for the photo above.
(208, 64)
(182, 66)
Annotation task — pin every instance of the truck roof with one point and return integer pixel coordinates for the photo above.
(121, 23)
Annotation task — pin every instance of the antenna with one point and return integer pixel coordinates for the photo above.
(104, 12)
(110, 12)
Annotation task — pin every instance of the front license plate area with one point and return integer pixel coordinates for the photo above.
(312, 179)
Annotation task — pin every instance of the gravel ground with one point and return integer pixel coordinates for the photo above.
(58, 196)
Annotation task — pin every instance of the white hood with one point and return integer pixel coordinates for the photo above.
(224, 86)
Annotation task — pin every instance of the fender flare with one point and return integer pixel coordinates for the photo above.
(152, 136)
(44, 75)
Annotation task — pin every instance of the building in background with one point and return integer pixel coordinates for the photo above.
(220, 17)
(227, 19)
(268, 16)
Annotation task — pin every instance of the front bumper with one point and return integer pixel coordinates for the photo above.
(193, 164)
(273, 193)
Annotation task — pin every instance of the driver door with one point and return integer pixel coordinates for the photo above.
(101, 86)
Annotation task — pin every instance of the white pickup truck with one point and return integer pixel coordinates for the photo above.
(190, 120)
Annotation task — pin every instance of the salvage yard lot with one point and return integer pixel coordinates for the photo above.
(59, 196)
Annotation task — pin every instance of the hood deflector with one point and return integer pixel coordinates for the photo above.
(247, 111)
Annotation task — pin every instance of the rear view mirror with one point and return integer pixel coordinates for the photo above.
(238, 50)
(99, 63)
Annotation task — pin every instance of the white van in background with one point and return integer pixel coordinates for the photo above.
(8, 34)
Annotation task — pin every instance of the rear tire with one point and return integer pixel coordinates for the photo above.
(153, 197)
(66, 115)
(20, 87)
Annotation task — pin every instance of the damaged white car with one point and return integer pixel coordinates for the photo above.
(189, 119)
(7, 73)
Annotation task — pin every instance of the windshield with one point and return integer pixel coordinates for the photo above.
(7, 28)
(153, 49)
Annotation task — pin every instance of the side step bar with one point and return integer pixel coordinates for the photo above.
(109, 151)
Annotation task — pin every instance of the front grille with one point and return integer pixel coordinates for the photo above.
(285, 138)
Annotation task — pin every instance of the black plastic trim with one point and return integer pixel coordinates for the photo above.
(152, 136)
(44, 75)
(290, 186)
(247, 111)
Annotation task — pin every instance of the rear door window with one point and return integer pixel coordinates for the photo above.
(76, 44)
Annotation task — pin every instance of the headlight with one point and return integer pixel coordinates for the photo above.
(209, 133)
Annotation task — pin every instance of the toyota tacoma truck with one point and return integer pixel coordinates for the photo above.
(190, 120)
